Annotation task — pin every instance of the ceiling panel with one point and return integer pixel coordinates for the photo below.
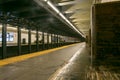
(80, 14)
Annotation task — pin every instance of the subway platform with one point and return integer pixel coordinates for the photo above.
(64, 63)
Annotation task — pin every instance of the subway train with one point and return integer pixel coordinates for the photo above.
(12, 48)
(11, 36)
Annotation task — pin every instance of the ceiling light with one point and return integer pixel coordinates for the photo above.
(62, 16)
(52, 6)
(45, 0)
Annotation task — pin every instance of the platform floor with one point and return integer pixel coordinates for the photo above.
(44, 66)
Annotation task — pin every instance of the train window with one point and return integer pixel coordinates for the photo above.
(10, 36)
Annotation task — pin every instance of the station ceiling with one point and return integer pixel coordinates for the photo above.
(76, 11)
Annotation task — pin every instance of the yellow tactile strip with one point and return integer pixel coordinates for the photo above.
(27, 56)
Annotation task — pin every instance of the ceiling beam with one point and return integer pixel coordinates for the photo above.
(66, 3)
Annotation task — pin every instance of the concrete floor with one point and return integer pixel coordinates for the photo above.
(76, 68)
(41, 67)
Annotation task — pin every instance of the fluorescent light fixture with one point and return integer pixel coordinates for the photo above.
(45, 0)
(53, 7)
(62, 16)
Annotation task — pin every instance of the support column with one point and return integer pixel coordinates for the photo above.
(37, 40)
(29, 39)
(57, 40)
(4, 46)
(48, 40)
(61, 40)
(54, 41)
(19, 40)
(43, 43)
(51, 41)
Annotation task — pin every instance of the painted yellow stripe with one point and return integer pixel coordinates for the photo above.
(27, 56)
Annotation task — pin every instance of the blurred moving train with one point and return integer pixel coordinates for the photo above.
(11, 36)
(13, 49)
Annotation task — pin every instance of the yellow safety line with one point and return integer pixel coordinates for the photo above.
(27, 56)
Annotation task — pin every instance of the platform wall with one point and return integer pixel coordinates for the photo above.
(106, 29)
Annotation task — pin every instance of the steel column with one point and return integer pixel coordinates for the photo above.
(43, 43)
(48, 40)
(19, 40)
(29, 39)
(57, 40)
(4, 46)
(54, 41)
(51, 41)
(37, 40)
